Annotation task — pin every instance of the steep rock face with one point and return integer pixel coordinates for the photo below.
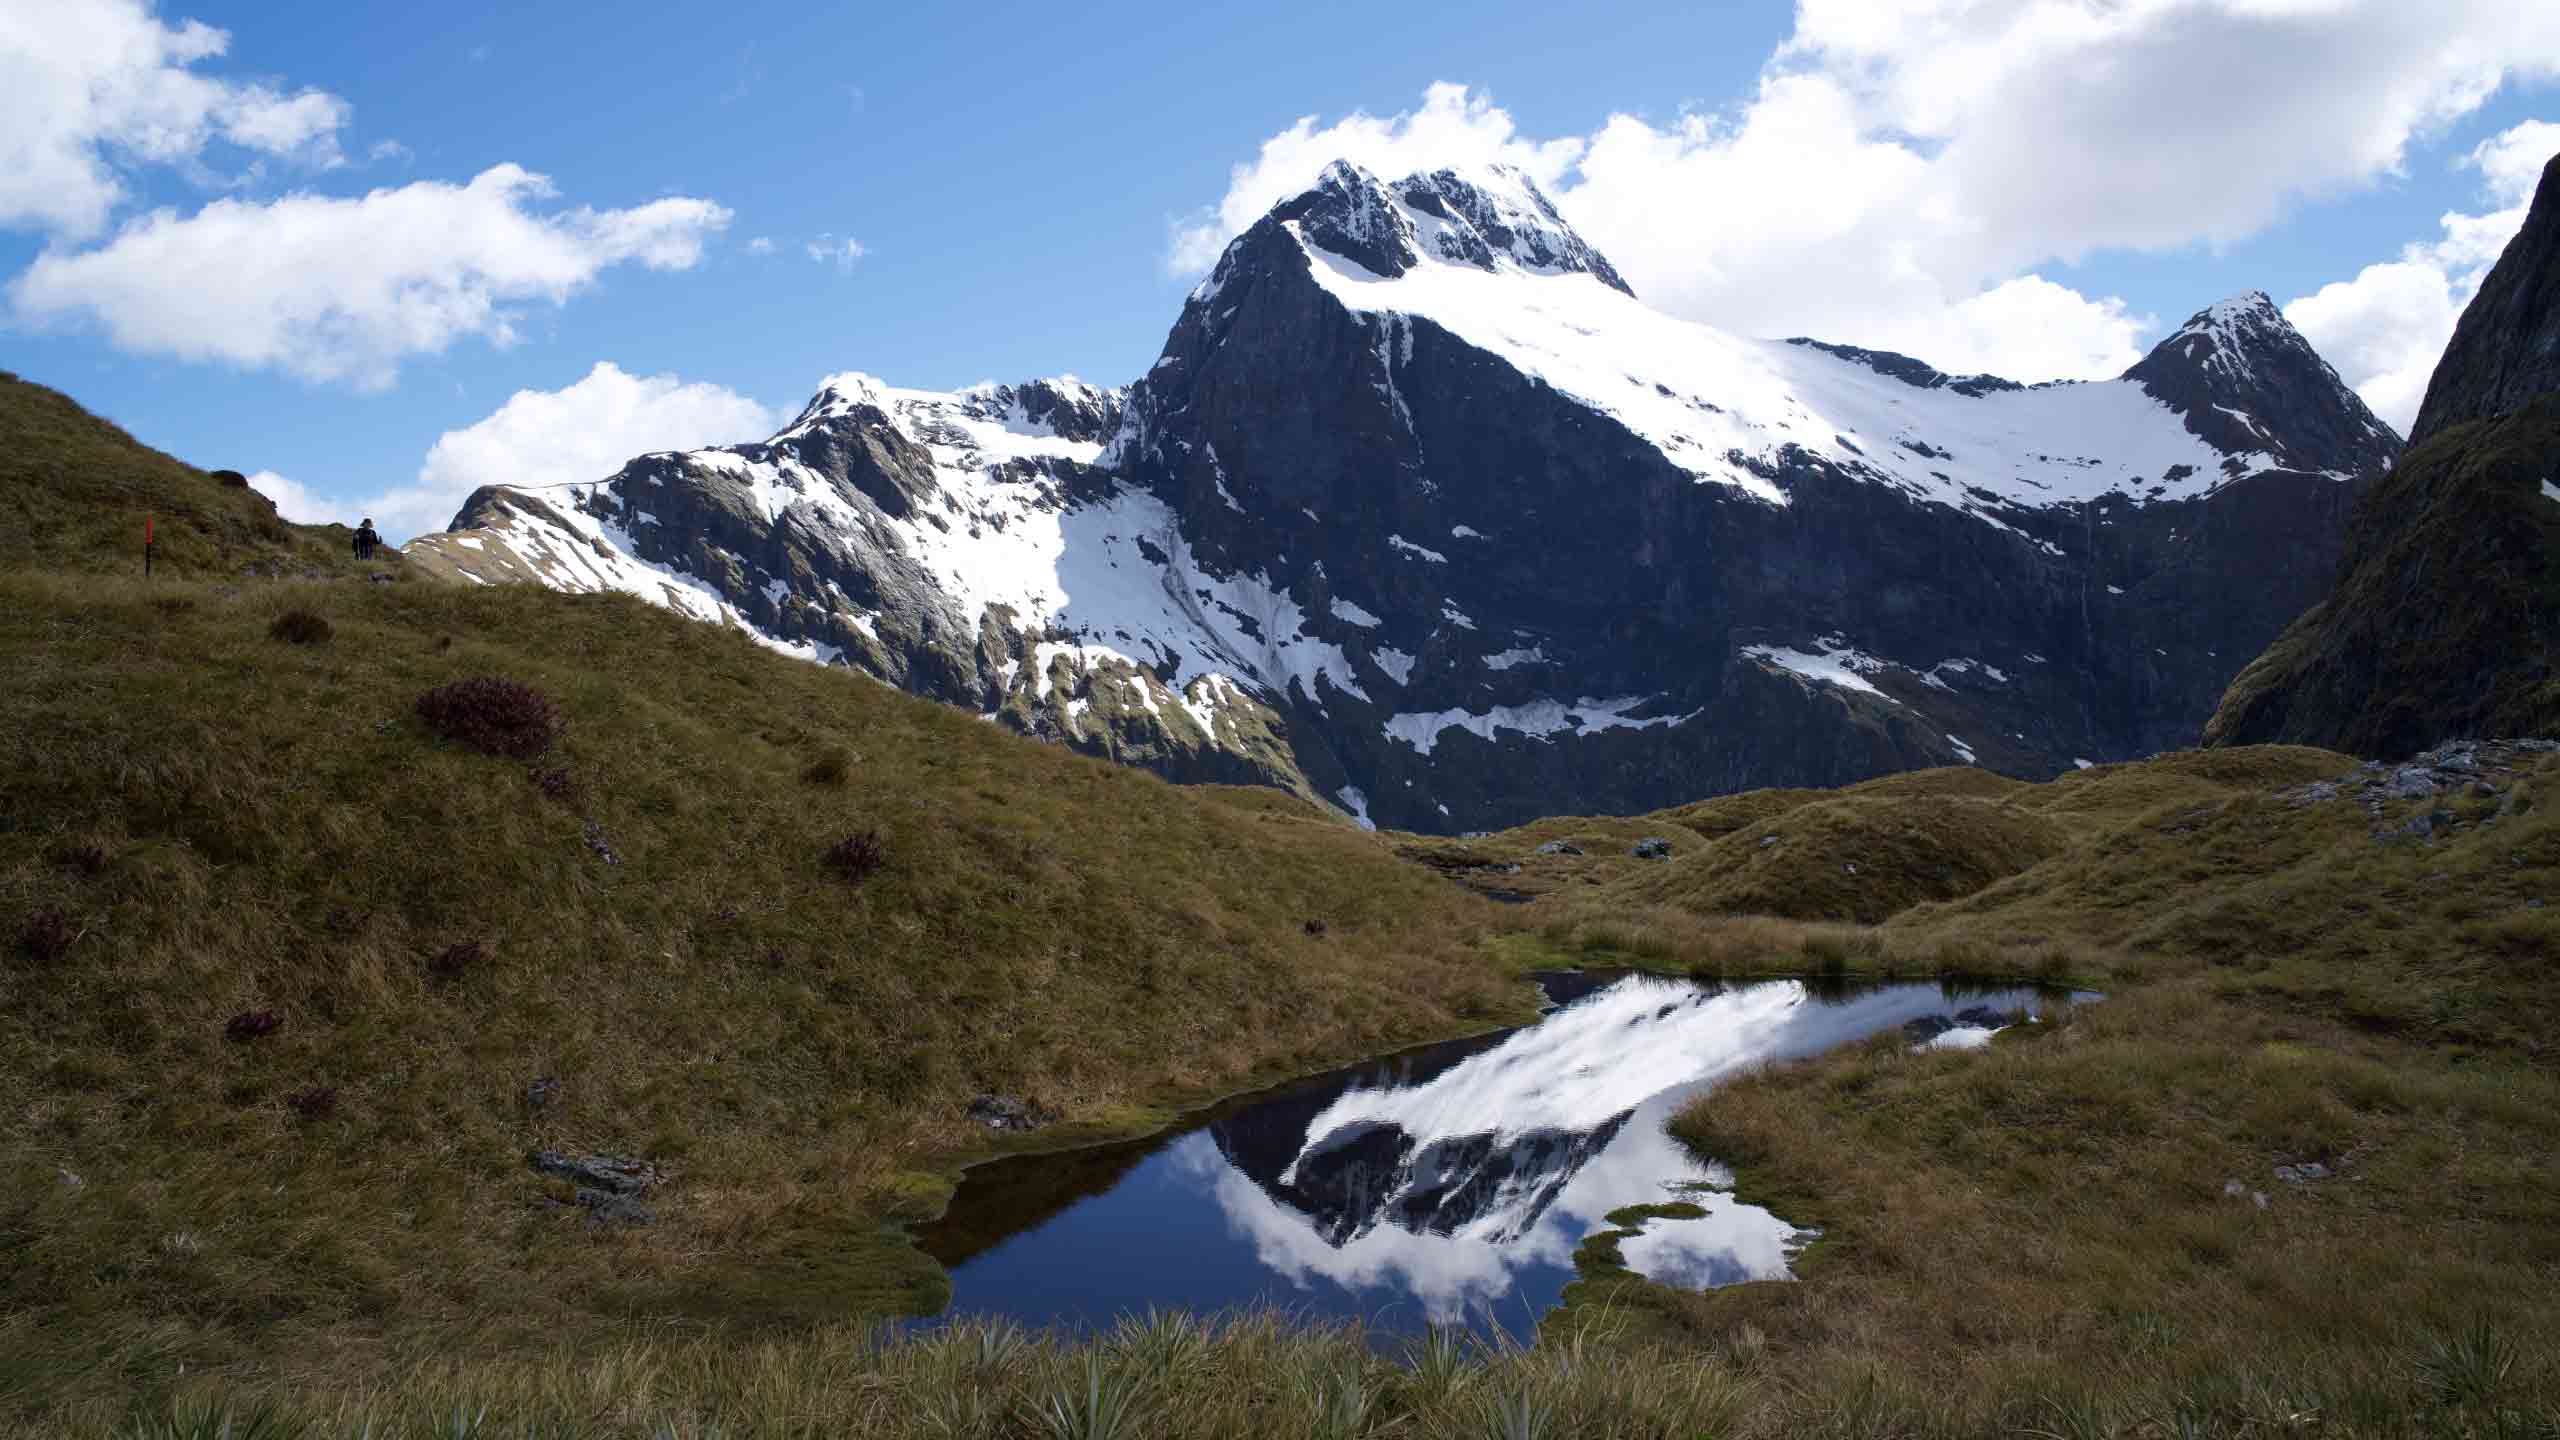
(1549, 595)
(2506, 348)
(2446, 610)
(1421, 511)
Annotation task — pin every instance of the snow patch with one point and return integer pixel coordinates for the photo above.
(1831, 662)
(1538, 720)
(1344, 610)
(1401, 543)
(1728, 410)
(1935, 675)
(1358, 804)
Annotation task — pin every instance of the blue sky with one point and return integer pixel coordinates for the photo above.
(1016, 179)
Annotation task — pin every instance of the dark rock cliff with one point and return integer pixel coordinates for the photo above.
(2446, 608)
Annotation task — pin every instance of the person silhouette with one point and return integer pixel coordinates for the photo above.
(367, 539)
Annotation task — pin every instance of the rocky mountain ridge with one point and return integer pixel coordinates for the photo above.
(1422, 512)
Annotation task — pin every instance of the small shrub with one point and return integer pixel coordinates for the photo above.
(833, 766)
(86, 856)
(443, 643)
(46, 937)
(555, 782)
(314, 1102)
(232, 478)
(457, 960)
(499, 717)
(252, 1025)
(1315, 929)
(299, 627)
(857, 857)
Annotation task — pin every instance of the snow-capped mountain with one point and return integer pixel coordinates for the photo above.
(1424, 512)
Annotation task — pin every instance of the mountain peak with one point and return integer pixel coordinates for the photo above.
(2248, 382)
(1497, 212)
(1492, 217)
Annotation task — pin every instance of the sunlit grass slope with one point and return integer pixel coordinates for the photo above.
(203, 822)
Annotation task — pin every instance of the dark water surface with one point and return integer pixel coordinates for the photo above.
(1440, 1186)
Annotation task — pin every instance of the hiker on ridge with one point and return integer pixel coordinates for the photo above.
(366, 539)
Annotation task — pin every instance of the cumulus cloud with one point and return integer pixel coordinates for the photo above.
(344, 289)
(575, 435)
(296, 501)
(89, 85)
(841, 253)
(1904, 165)
(760, 245)
(2385, 329)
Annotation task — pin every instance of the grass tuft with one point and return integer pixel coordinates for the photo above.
(251, 1025)
(833, 766)
(459, 959)
(857, 857)
(300, 627)
(314, 1102)
(493, 715)
(46, 937)
(555, 782)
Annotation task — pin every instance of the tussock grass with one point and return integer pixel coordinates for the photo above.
(429, 933)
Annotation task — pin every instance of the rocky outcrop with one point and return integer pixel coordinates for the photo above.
(1422, 513)
(2445, 612)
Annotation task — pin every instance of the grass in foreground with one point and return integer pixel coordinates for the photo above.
(207, 824)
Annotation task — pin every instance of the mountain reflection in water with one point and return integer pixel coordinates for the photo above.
(1444, 1185)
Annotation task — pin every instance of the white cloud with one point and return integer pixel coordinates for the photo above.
(87, 85)
(1904, 165)
(570, 436)
(295, 501)
(760, 245)
(2385, 329)
(827, 249)
(345, 289)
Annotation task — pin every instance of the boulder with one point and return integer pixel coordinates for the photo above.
(611, 1174)
(1004, 1112)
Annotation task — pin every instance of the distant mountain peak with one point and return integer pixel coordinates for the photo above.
(1492, 217)
(2249, 383)
(1492, 212)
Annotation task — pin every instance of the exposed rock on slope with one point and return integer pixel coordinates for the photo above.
(2447, 605)
(1421, 511)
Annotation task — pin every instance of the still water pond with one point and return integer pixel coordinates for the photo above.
(1441, 1186)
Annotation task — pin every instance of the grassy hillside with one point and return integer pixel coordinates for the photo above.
(75, 490)
(205, 822)
(287, 973)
